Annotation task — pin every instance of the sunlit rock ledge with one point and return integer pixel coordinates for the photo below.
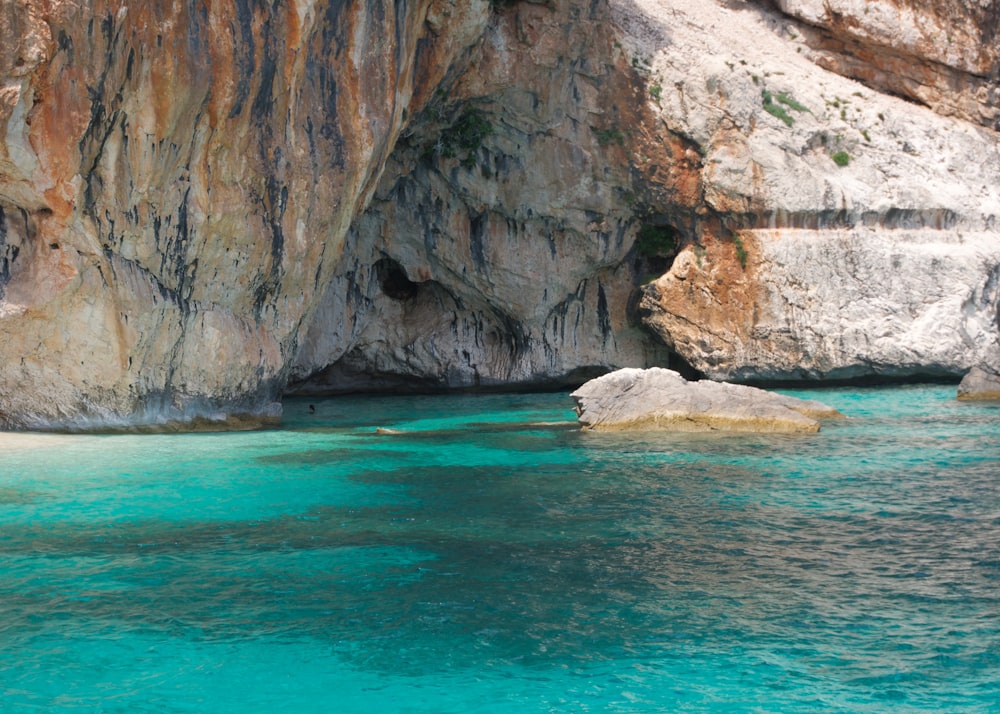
(662, 399)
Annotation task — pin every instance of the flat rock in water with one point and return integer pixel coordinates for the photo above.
(660, 398)
(979, 383)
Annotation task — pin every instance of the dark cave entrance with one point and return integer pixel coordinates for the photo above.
(394, 281)
(656, 244)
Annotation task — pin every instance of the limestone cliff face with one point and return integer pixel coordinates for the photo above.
(943, 54)
(201, 201)
(717, 124)
(497, 249)
(844, 232)
(177, 180)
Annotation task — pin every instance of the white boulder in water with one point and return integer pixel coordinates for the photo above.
(979, 383)
(660, 398)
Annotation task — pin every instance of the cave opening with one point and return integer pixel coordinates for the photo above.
(684, 368)
(394, 281)
(656, 244)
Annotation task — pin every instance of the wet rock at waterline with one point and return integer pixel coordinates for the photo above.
(980, 384)
(661, 399)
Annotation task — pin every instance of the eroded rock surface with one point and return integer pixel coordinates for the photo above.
(661, 399)
(177, 180)
(834, 304)
(200, 202)
(845, 233)
(944, 54)
(980, 384)
(497, 250)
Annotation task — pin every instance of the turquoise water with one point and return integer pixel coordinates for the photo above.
(492, 558)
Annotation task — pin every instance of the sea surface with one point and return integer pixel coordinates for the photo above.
(493, 558)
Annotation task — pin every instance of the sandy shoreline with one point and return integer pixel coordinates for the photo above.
(15, 440)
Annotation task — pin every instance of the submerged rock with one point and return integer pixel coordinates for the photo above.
(979, 383)
(386, 431)
(660, 398)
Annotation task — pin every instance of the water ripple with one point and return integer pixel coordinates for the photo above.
(482, 564)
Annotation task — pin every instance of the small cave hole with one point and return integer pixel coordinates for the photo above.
(656, 246)
(393, 281)
(683, 367)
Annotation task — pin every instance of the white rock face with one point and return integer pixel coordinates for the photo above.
(886, 263)
(714, 64)
(942, 54)
(952, 32)
(838, 304)
(659, 398)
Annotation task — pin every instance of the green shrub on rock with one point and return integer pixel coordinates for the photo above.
(841, 158)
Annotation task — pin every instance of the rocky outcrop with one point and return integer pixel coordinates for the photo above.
(498, 248)
(844, 234)
(980, 384)
(201, 202)
(177, 180)
(712, 125)
(661, 399)
(834, 304)
(943, 55)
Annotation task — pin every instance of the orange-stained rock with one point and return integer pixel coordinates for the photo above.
(203, 200)
(176, 181)
(943, 54)
(843, 233)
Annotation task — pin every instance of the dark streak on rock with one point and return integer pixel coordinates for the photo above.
(321, 71)
(130, 63)
(478, 226)
(275, 202)
(263, 103)
(180, 246)
(402, 10)
(8, 251)
(65, 44)
(244, 60)
(603, 315)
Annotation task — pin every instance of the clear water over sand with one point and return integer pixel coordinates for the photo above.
(492, 558)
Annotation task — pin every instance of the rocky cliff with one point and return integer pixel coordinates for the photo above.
(177, 180)
(497, 249)
(204, 201)
(846, 232)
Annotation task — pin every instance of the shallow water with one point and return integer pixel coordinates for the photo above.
(493, 558)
